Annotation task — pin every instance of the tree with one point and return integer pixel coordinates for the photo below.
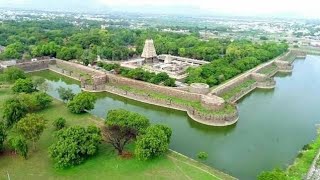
(19, 145)
(23, 85)
(59, 123)
(31, 127)
(170, 82)
(43, 100)
(74, 145)
(3, 135)
(13, 110)
(122, 126)
(167, 130)
(276, 174)
(14, 73)
(41, 84)
(152, 144)
(82, 102)
(65, 94)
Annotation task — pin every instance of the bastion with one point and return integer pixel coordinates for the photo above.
(199, 88)
(212, 102)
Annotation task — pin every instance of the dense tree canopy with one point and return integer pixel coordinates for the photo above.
(74, 145)
(65, 41)
(240, 56)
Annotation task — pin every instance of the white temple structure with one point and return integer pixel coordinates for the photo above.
(149, 51)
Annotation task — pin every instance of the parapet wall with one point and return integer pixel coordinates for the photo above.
(35, 65)
(117, 80)
(231, 85)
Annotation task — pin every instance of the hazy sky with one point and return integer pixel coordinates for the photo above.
(306, 8)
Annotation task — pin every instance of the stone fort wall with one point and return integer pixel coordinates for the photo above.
(117, 80)
(35, 66)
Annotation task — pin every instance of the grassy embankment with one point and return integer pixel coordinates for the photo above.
(303, 162)
(234, 91)
(105, 164)
(268, 70)
(195, 104)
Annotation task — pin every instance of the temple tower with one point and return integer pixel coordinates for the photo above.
(149, 51)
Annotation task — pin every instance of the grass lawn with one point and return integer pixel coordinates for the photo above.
(104, 165)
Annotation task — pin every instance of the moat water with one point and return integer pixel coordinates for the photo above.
(273, 127)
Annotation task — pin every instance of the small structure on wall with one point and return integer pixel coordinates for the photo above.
(149, 52)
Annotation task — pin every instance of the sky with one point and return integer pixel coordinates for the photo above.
(303, 8)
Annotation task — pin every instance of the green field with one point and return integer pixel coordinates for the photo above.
(104, 165)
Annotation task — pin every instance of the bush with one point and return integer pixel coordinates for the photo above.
(65, 94)
(43, 100)
(166, 130)
(152, 144)
(202, 156)
(82, 102)
(3, 135)
(276, 174)
(13, 110)
(13, 73)
(170, 82)
(59, 123)
(74, 145)
(23, 85)
(19, 145)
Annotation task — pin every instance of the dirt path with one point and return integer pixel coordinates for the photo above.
(314, 171)
(203, 170)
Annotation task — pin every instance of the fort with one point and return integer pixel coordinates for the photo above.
(201, 104)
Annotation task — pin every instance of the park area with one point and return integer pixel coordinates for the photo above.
(105, 163)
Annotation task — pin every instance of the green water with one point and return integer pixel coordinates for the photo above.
(273, 126)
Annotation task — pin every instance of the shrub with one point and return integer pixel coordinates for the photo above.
(82, 102)
(43, 100)
(65, 94)
(3, 135)
(152, 144)
(19, 145)
(276, 174)
(14, 73)
(202, 156)
(59, 123)
(23, 85)
(74, 145)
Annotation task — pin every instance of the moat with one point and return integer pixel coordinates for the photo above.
(273, 126)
